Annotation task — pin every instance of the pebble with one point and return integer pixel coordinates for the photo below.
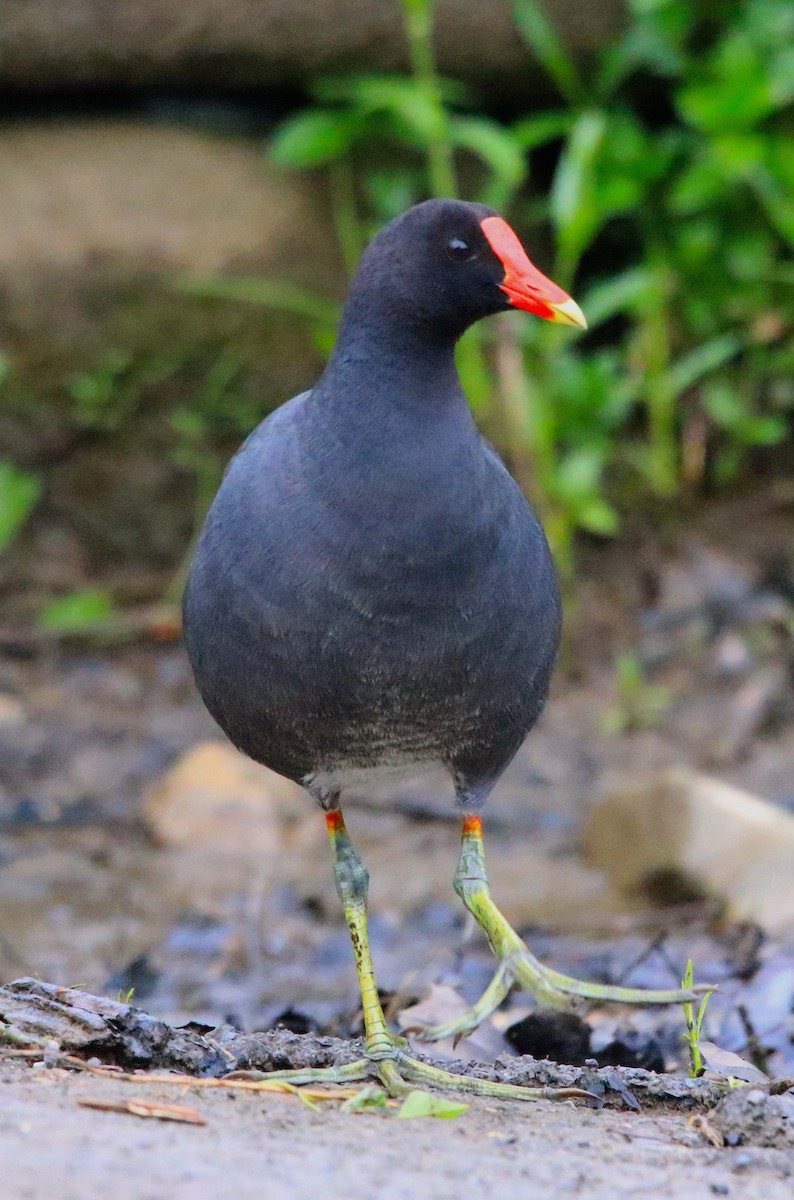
(12, 712)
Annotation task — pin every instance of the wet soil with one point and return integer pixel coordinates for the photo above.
(694, 1138)
(89, 896)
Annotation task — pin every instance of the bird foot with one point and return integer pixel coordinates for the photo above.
(551, 989)
(399, 1073)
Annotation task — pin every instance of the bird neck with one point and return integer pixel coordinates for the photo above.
(393, 363)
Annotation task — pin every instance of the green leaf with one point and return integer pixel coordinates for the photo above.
(578, 477)
(777, 201)
(369, 1099)
(313, 138)
(419, 113)
(538, 130)
(702, 361)
(730, 410)
(596, 516)
(425, 1104)
(699, 186)
(544, 41)
(618, 294)
(499, 149)
(284, 297)
(77, 610)
(572, 201)
(19, 494)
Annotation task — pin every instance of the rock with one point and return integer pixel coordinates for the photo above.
(240, 43)
(216, 798)
(76, 192)
(561, 1037)
(750, 1117)
(233, 832)
(720, 840)
(98, 217)
(12, 712)
(35, 1013)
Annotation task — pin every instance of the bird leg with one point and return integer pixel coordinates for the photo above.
(516, 964)
(386, 1057)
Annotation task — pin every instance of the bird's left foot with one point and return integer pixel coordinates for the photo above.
(388, 1062)
(550, 989)
(517, 964)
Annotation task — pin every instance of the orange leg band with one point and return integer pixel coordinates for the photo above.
(335, 821)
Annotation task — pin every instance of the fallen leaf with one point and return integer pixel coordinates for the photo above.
(146, 1108)
(424, 1104)
(702, 1125)
(615, 1083)
(440, 1005)
(368, 1099)
(728, 1065)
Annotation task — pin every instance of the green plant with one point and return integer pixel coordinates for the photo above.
(640, 705)
(696, 210)
(19, 494)
(77, 611)
(19, 490)
(107, 395)
(663, 177)
(694, 1025)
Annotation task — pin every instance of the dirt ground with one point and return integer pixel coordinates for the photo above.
(274, 1146)
(93, 892)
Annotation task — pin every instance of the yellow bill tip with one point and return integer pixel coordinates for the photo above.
(568, 313)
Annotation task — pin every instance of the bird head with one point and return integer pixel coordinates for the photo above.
(447, 263)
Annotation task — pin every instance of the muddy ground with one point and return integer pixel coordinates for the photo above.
(274, 1146)
(108, 883)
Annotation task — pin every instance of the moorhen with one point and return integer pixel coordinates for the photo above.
(371, 588)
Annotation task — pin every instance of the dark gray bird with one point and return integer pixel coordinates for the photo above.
(371, 589)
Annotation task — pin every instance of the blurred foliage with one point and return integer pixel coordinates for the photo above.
(639, 704)
(85, 608)
(19, 492)
(658, 188)
(665, 179)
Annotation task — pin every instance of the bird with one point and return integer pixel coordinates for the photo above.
(371, 590)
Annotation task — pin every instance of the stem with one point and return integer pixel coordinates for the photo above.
(418, 24)
(513, 399)
(661, 397)
(207, 483)
(344, 212)
(475, 374)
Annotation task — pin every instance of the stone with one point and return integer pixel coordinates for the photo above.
(261, 43)
(215, 797)
(100, 221)
(748, 1116)
(232, 833)
(12, 712)
(717, 839)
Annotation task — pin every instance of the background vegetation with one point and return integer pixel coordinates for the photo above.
(658, 188)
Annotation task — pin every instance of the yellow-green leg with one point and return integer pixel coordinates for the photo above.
(516, 963)
(386, 1056)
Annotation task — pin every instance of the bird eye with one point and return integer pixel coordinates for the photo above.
(458, 250)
